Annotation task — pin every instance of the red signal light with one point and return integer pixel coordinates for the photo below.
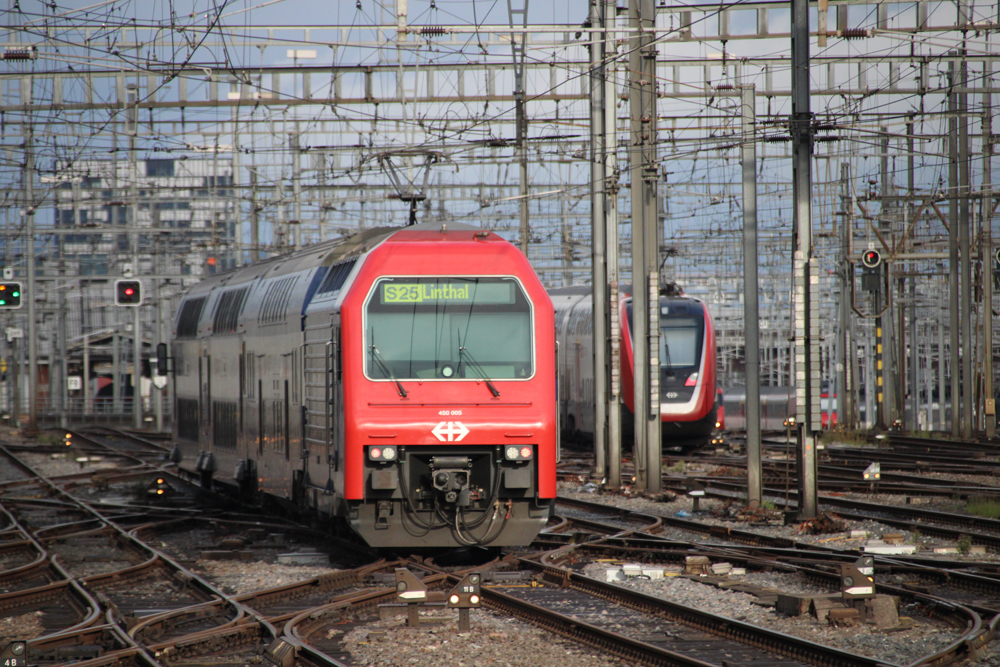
(871, 258)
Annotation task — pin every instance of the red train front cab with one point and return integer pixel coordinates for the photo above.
(448, 351)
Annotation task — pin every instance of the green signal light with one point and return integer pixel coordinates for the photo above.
(2, 302)
(16, 294)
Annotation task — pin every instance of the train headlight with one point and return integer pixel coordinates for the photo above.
(384, 454)
(692, 380)
(515, 453)
(447, 371)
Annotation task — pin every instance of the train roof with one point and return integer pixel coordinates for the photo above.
(324, 253)
(572, 290)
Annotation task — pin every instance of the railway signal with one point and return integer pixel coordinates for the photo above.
(413, 592)
(466, 594)
(15, 654)
(996, 269)
(464, 597)
(871, 260)
(857, 579)
(162, 363)
(10, 295)
(68, 440)
(159, 488)
(128, 292)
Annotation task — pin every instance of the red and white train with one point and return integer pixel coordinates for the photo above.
(688, 385)
(402, 380)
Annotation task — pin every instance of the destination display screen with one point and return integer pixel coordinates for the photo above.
(443, 291)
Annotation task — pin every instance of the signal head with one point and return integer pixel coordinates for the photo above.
(10, 295)
(871, 258)
(466, 594)
(128, 292)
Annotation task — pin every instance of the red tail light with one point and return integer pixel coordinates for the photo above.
(692, 380)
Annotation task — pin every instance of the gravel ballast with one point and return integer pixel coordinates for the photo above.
(495, 641)
(926, 637)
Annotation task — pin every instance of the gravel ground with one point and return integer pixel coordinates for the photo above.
(494, 642)
(236, 578)
(64, 463)
(26, 626)
(925, 638)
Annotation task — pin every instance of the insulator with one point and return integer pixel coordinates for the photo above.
(20, 53)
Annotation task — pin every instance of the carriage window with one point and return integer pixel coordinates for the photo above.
(448, 328)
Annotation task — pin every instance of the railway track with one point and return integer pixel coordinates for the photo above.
(114, 579)
(965, 599)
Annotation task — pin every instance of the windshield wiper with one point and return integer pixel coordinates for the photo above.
(479, 370)
(666, 353)
(380, 362)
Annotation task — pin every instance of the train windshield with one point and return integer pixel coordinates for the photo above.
(682, 328)
(679, 342)
(448, 328)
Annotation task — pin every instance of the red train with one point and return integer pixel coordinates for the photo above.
(402, 380)
(688, 384)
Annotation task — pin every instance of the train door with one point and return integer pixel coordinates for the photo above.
(201, 397)
(285, 427)
(205, 402)
(260, 418)
(240, 406)
(321, 400)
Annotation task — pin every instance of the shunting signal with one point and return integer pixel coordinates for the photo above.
(68, 439)
(10, 295)
(159, 488)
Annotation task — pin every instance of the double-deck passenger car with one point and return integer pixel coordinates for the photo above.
(402, 380)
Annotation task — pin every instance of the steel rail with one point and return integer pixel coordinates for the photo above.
(968, 522)
(585, 633)
(968, 646)
(155, 555)
(718, 532)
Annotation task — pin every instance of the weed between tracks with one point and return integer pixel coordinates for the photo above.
(987, 507)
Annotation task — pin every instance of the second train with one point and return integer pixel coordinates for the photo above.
(688, 382)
